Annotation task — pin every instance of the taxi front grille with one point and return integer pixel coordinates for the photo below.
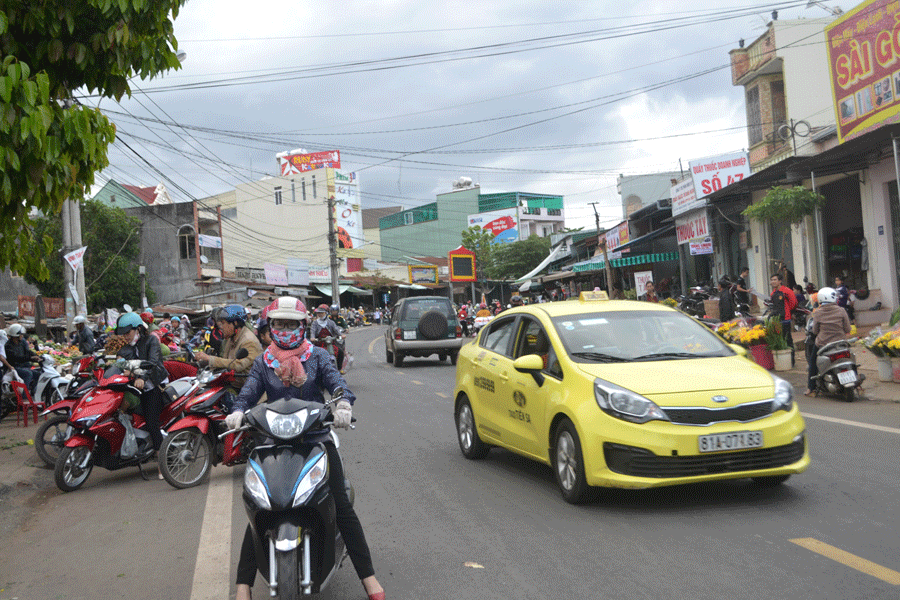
(639, 462)
(706, 416)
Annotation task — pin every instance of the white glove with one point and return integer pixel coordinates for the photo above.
(234, 420)
(17, 377)
(342, 413)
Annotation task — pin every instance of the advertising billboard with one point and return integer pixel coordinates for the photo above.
(712, 174)
(347, 209)
(462, 265)
(684, 198)
(504, 224)
(423, 274)
(863, 53)
(692, 227)
(291, 164)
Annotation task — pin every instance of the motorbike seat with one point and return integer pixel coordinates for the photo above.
(177, 388)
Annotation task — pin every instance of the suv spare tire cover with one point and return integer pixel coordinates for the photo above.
(433, 325)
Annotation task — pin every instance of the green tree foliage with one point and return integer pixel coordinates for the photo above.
(111, 275)
(785, 204)
(480, 242)
(518, 258)
(50, 147)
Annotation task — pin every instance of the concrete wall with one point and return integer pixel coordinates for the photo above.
(883, 267)
(432, 238)
(12, 286)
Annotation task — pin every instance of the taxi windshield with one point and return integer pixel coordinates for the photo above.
(636, 336)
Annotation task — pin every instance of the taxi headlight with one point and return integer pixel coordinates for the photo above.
(784, 395)
(255, 486)
(286, 426)
(312, 475)
(625, 404)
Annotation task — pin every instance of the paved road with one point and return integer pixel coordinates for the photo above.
(444, 527)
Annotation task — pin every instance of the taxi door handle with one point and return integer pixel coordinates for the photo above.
(504, 376)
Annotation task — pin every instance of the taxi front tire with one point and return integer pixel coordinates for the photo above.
(568, 465)
(470, 444)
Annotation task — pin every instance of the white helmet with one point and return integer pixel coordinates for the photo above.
(827, 295)
(78, 319)
(287, 307)
(15, 329)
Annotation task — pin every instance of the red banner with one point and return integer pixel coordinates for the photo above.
(300, 163)
(462, 265)
(864, 59)
(54, 308)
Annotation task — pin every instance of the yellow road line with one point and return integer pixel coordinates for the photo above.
(851, 560)
(372, 346)
(442, 395)
(416, 382)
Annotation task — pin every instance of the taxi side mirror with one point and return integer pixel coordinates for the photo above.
(530, 363)
(739, 350)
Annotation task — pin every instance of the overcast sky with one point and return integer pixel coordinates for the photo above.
(544, 97)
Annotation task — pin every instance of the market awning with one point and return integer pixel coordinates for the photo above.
(326, 289)
(558, 275)
(596, 263)
(645, 238)
(413, 286)
(550, 257)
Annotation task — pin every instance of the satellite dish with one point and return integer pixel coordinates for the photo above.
(127, 307)
(203, 259)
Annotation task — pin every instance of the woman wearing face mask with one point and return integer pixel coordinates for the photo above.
(143, 347)
(291, 366)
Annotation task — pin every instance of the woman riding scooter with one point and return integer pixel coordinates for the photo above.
(291, 366)
(830, 324)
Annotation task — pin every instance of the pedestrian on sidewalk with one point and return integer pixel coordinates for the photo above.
(830, 324)
(783, 302)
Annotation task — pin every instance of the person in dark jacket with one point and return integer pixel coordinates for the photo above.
(830, 324)
(139, 345)
(20, 355)
(84, 337)
(291, 366)
(726, 303)
(783, 302)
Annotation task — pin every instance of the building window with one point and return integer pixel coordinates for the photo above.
(779, 110)
(112, 198)
(303, 189)
(187, 243)
(754, 118)
(314, 186)
(277, 195)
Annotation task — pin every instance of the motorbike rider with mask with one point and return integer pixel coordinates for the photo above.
(292, 366)
(139, 345)
(232, 321)
(20, 355)
(324, 327)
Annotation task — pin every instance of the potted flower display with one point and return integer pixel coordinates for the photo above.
(752, 337)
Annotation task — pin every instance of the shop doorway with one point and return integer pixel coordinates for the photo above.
(895, 225)
(843, 223)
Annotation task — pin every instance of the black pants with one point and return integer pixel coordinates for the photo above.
(347, 522)
(786, 327)
(152, 402)
(812, 372)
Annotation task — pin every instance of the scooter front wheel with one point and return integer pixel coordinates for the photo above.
(73, 467)
(50, 438)
(185, 458)
(288, 574)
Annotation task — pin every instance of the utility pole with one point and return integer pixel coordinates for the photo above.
(601, 243)
(332, 251)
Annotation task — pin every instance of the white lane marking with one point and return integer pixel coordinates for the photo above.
(416, 382)
(213, 565)
(893, 430)
(442, 395)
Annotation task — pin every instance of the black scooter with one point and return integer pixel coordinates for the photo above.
(287, 497)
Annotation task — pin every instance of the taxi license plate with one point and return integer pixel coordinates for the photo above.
(845, 377)
(409, 335)
(738, 440)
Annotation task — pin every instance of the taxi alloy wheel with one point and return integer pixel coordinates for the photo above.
(469, 443)
(568, 465)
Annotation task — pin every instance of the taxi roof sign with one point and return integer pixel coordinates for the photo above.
(592, 296)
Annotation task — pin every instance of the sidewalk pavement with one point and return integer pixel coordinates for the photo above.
(872, 389)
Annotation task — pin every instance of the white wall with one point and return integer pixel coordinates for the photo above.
(876, 212)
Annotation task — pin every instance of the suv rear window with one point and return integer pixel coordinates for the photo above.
(414, 309)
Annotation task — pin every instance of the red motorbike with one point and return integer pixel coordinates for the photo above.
(103, 435)
(192, 445)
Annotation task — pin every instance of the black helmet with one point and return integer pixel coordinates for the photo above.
(516, 300)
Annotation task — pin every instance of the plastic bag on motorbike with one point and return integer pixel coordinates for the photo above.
(129, 443)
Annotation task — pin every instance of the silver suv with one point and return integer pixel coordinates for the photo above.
(422, 326)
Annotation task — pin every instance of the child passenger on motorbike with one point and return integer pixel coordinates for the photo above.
(291, 366)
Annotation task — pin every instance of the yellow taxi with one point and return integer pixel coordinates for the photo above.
(624, 394)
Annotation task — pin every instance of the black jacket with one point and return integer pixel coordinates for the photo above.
(19, 354)
(726, 306)
(147, 349)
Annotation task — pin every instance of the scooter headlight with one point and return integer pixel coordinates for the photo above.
(255, 485)
(286, 427)
(314, 473)
(784, 395)
(88, 421)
